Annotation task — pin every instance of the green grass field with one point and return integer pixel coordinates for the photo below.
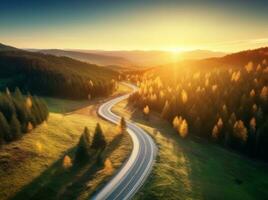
(31, 168)
(187, 169)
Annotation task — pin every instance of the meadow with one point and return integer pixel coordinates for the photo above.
(195, 168)
(32, 167)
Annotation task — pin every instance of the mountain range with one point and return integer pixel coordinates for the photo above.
(130, 58)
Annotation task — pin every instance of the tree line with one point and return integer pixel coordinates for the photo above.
(19, 114)
(228, 106)
(55, 76)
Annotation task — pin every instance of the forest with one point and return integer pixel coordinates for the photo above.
(54, 76)
(228, 106)
(19, 114)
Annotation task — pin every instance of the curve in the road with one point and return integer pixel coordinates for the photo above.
(136, 169)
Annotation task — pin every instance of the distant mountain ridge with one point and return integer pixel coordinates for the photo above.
(131, 58)
(93, 58)
(201, 54)
(238, 59)
(4, 47)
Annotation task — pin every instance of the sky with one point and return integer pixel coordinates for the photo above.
(172, 25)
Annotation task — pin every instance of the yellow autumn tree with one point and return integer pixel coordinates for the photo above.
(183, 129)
(29, 127)
(29, 103)
(252, 123)
(215, 132)
(240, 131)
(254, 108)
(67, 162)
(184, 96)
(252, 93)
(220, 123)
(264, 93)
(177, 122)
(214, 87)
(249, 67)
(108, 166)
(146, 110)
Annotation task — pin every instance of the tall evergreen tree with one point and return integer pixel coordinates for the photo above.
(83, 148)
(123, 125)
(98, 139)
(15, 127)
(17, 94)
(4, 129)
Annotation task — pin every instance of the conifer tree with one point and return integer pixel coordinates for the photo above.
(98, 139)
(83, 148)
(15, 127)
(17, 94)
(123, 125)
(4, 129)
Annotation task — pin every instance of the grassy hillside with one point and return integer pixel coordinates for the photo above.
(32, 167)
(195, 169)
(54, 76)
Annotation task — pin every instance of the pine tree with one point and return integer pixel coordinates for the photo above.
(4, 129)
(15, 127)
(83, 147)
(17, 94)
(123, 125)
(22, 114)
(98, 139)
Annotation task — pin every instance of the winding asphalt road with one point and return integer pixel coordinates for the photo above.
(136, 169)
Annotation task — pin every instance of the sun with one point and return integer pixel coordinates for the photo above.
(175, 54)
(175, 50)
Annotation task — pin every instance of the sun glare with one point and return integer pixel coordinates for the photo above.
(175, 50)
(175, 54)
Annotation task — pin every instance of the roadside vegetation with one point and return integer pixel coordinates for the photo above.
(192, 168)
(43, 164)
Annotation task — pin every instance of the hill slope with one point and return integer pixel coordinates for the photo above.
(150, 58)
(7, 48)
(98, 59)
(54, 76)
(235, 60)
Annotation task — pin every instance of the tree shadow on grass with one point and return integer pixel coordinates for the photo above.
(80, 183)
(47, 185)
(59, 183)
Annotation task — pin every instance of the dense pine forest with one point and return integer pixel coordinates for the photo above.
(19, 114)
(228, 106)
(54, 76)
